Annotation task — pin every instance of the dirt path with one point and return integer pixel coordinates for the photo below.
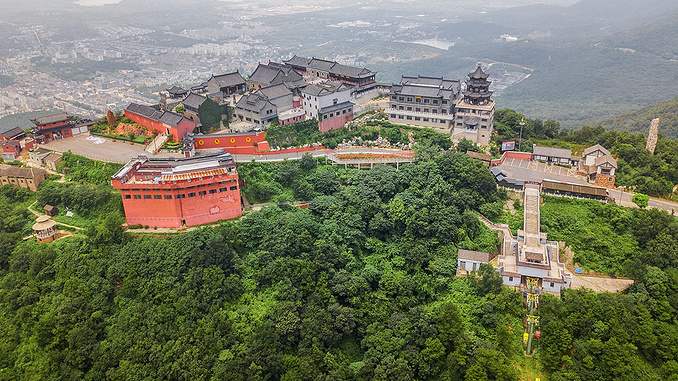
(30, 209)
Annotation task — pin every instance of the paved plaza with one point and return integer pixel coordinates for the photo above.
(109, 151)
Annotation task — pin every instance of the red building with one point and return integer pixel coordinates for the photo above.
(164, 122)
(57, 126)
(10, 150)
(247, 143)
(169, 193)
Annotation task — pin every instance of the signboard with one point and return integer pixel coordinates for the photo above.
(508, 146)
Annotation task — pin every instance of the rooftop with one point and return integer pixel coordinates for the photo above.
(145, 170)
(166, 117)
(229, 79)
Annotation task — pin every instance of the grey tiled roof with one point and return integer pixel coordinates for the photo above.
(606, 159)
(275, 91)
(24, 173)
(14, 132)
(470, 255)
(330, 67)
(194, 100)
(229, 79)
(60, 117)
(552, 152)
(166, 117)
(324, 88)
(252, 102)
(594, 148)
(338, 106)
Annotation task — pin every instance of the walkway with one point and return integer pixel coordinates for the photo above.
(30, 209)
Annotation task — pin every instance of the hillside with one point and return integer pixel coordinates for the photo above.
(639, 120)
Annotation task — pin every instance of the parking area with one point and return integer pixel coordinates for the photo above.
(536, 171)
(108, 151)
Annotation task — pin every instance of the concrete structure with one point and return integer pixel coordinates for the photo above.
(164, 122)
(530, 254)
(552, 155)
(469, 260)
(424, 101)
(328, 102)
(171, 193)
(652, 136)
(45, 229)
(331, 70)
(474, 113)
(29, 178)
(220, 87)
(599, 165)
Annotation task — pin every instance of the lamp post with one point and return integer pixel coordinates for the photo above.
(520, 139)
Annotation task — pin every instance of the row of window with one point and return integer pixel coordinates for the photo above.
(417, 100)
(418, 109)
(416, 118)
(180, 189)
(332, 115)
(178, 196)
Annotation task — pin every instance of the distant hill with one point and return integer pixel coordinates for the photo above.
(639, 120)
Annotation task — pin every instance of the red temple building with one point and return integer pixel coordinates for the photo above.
(170, 193)
(57, 126)
(164, 122)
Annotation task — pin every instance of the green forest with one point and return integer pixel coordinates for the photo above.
(359, 286)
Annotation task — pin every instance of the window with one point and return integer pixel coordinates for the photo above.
(426, 101)
(409, 99)
(344, 112)
(552, 284)
(409, 117)
(192, 194)
(180, 196)
(425, 110)
(137, 197)
(223, 189)
(235, 187)
(127, 196)
(393, 115)
(444, 102)
(462, 264)
(168, 197)
(425, 119)
(409, 108)
(401, 98)
(416, 118)
(510, 279)
(417, 109)
(418, 100)
(401, 117)
(435, 101)
(202, 193)
(213, 191)
(157, 197)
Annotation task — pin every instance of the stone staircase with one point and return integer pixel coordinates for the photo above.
(155, 145)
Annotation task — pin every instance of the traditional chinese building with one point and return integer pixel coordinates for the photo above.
(599, 165)
(57, 126)
(271, 74)
(164, 122)
(331, 70)
(220, 87)
(45, 229)
(170, 193)
(424, 101)
(330, 103)
(474, 113)
(11, 149)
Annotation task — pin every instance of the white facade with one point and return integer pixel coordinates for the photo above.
(314, 101)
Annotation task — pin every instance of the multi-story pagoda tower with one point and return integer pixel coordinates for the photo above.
(475, 111)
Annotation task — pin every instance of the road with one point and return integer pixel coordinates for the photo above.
(318, 153)
(529, 171)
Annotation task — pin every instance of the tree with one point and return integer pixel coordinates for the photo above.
(210, 114)
(110, 118)
(641, 200)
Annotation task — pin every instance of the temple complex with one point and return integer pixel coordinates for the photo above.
(171, 193)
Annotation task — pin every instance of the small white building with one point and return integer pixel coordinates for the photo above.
(470, 260)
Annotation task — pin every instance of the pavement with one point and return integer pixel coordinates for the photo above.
(536, 171)
(600, 284)
(109, 151)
